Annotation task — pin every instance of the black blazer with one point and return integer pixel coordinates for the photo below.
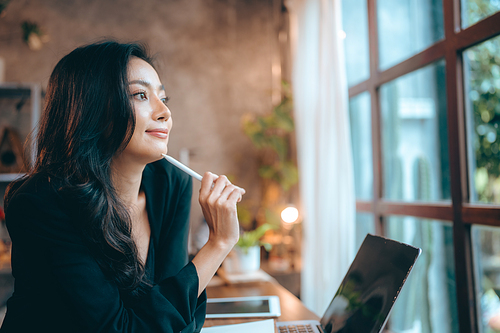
(59, 287)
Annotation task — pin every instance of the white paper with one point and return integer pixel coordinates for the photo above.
(262, 326)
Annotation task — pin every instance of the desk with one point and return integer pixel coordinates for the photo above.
(291, 307)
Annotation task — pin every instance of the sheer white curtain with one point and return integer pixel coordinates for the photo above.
(324, 149)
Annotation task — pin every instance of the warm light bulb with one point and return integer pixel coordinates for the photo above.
(289, 214)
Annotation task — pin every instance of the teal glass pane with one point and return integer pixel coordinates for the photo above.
(365, 224)
(415, 136)
(482, 104)
(355, 26)
(486, 254)
(407, 27)
(427, 302)
(361, 142)
(474, 11)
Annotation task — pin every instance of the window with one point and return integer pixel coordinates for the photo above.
(364, 225)
(415, 136)
(361, 138)
(356, 29)
(476, 10)
(424, 89)
(406, 28)
(482, 105)
(486, 245)
(428, 301)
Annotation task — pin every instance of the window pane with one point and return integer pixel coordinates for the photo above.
(406, 27)
(482, 103)
(474, 11)
(364, 225)
(355, 25)
(427, 302)
(415, 136)
(361, 139)
(486, 250)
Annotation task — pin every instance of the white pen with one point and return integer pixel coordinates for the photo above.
(182, 167)
(188, 170)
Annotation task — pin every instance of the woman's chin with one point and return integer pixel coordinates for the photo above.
(153, 155)
(147, 158)
(156, 157)
(142, 155)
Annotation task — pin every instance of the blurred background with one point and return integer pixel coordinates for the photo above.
(366, 116)
(225, 65)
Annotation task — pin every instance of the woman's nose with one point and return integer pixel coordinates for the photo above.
(162, 112)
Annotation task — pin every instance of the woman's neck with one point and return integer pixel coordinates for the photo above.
(127, 179)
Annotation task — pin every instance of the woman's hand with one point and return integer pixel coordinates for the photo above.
(218, 198)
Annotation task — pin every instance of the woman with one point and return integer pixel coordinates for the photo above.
(99, 225)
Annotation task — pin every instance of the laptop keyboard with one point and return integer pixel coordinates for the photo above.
(296, 329)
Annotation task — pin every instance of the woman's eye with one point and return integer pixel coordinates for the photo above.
(141, 95)
(165, 100)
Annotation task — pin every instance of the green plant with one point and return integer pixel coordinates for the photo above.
(253, 238)
(270, 134)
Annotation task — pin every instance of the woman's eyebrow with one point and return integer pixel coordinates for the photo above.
(146, 84)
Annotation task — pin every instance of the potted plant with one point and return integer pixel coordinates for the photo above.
(246, 254)
(271, 135)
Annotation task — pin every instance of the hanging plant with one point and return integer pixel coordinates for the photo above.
(3, 5)
(33, 35)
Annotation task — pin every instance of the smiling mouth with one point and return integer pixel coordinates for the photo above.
(161, 133)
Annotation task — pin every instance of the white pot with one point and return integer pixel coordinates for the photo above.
(240, 262)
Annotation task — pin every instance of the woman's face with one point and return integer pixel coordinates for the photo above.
(153, 120)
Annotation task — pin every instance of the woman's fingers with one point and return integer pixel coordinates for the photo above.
(231, 194)
(218, 199)
(219, 186)
(213, 185)
(218, 189)
(236, 195)
(206, 186)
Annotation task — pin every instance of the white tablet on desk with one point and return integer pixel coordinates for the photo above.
(244, 307)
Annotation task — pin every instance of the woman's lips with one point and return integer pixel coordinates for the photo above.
(161, 133)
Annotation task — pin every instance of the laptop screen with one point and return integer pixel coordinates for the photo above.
(370, 287)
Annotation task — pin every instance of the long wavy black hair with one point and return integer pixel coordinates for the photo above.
(87, 119)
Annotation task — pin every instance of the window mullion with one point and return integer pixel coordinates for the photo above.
(466, 299)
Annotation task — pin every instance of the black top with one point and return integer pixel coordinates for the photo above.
(59, 287)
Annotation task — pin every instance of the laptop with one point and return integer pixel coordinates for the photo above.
(367, 294)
